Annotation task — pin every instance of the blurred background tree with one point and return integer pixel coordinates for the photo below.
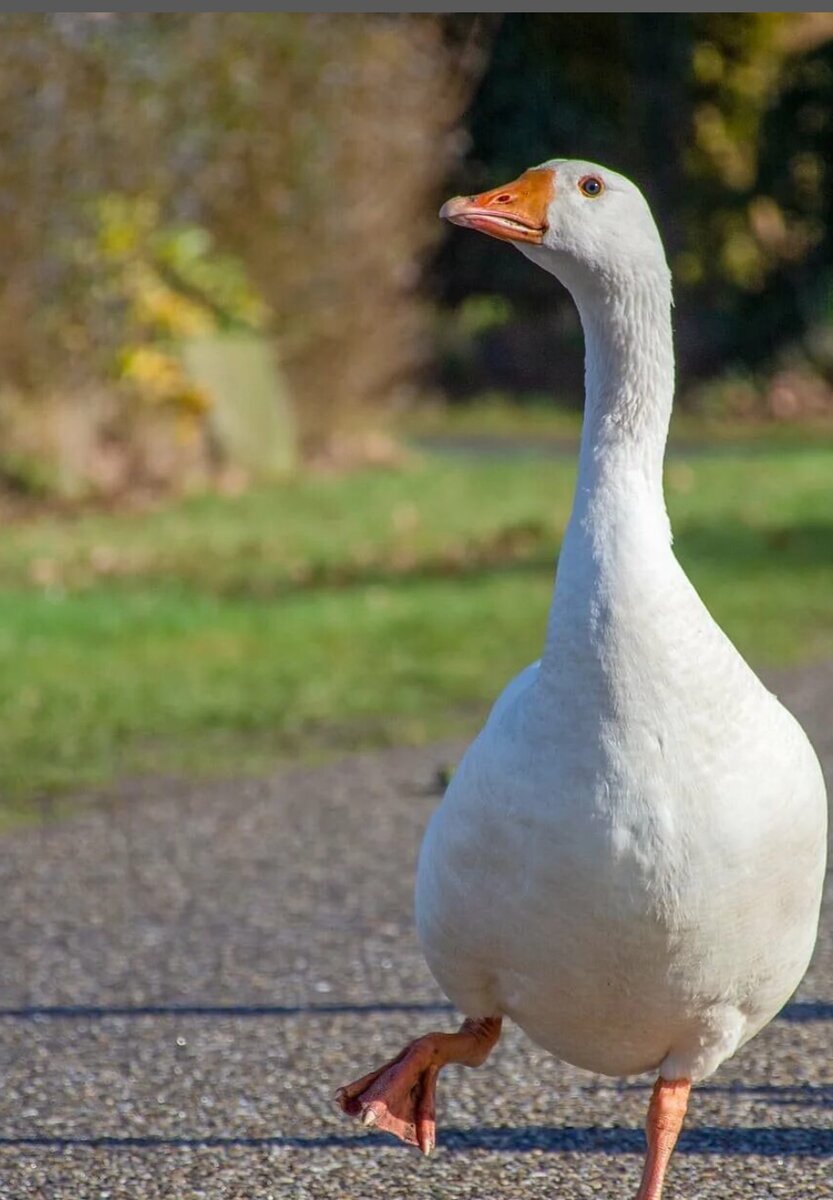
(166, 177)
(725, 121)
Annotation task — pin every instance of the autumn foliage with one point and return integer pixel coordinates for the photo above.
(161, 174)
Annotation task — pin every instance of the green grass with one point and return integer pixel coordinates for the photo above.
(496, 416)
(221, 634)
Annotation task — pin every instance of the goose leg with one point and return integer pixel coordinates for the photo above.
(399, 1096)
(666, 1111)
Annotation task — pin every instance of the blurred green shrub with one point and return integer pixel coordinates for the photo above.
(724, 120)
(278, 171)
(163, 284)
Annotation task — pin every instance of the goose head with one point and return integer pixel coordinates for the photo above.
(582, 222)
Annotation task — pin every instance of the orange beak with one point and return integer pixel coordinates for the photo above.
(516, 212)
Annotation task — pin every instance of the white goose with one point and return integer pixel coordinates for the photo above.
(629, 860)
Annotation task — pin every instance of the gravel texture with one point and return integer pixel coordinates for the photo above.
(189, 971)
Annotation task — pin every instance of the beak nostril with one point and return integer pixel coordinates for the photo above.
(503, 198)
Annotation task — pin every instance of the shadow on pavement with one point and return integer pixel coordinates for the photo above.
(95, 1012)
(799, 1011)
(767, 1141)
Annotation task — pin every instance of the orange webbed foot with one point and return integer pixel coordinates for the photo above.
(400, 1096)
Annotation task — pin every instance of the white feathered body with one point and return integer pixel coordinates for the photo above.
(629, 860)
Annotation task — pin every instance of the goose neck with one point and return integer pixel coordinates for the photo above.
(618, 537)
(629, 384)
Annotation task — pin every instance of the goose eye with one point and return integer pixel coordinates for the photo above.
(591, 186)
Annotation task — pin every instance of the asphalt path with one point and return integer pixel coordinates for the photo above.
(188, 971)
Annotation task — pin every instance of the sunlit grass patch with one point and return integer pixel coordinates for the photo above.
(223, 634)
